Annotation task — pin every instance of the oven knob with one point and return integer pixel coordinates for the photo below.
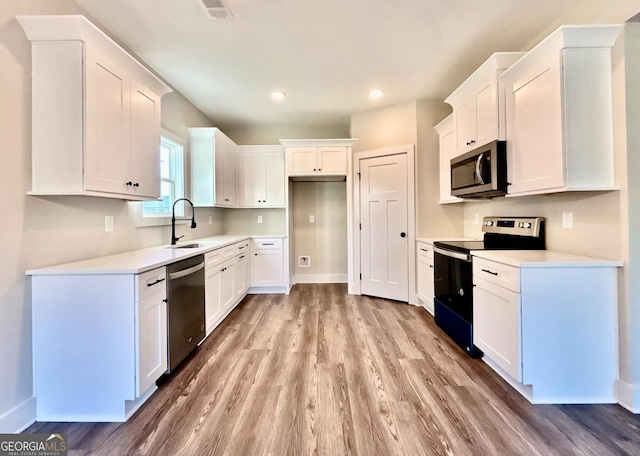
(520, 225)
(488, 223)
(527, 225)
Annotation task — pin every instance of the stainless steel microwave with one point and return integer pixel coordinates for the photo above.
(481, 173)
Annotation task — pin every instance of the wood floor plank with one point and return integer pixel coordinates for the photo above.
(320, 372)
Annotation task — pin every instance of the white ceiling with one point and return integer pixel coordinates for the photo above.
(325, 54)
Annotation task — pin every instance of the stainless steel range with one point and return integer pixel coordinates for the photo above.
(453, 271)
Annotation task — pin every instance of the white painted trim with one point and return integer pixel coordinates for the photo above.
(344, 142)
(131, 407)
(410, 150)
(19, 418)
(525, 390)
(260, 148)
(321, 278)
(626, 393)
(268, 290)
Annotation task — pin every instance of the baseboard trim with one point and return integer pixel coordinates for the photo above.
(320, 278)
(268, 290)
(19, 418)
(628, 396)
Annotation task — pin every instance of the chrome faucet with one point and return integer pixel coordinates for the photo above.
(175, 239)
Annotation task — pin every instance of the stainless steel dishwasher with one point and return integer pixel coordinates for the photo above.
(185, 304)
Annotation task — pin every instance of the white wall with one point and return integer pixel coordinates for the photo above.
(245, 221)
(40, 231)
(412, 123)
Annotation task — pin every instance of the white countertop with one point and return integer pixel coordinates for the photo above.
(543, 259)
(138, 261)
(430, 240)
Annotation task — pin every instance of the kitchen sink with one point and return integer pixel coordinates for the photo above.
(187, 246)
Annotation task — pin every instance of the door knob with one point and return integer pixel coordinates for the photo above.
(403, 234)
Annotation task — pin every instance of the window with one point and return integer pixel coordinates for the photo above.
(171, 178)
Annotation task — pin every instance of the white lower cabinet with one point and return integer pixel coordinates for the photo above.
(213, 307)
(99, 344)
(424, 275)
(227, 288)
(151, 340)
(267, 267)
(549, 327)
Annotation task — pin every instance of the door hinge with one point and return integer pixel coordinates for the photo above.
(359, 176)
(360, 225)
(360, 276)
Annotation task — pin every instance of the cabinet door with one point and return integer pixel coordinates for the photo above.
(247, 273)
(251, 180)
(465, 126)
(425, 282)
(534, 129)
(274, 180)
(447, 152)
(107, 165)
(145, 141)
(301, 161)
(212, 304)
(497, 325)
(227, 288)
(239, 275)
(267, 268)
(486, 112)
(152, 340)
(230, 174)
(332, 160)
(224, 171)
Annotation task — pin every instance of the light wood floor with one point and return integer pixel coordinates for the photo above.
(322, 372)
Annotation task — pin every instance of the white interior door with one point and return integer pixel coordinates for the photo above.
(384, 218)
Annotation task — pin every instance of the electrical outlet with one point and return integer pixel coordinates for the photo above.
(304, 261)
(108, 223)
(567, 220)
(259, 219)
(476, 218)
(210, 220)
(312, 219)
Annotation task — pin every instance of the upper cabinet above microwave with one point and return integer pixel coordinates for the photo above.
(560, 115)
(95, 113)
(478, 104)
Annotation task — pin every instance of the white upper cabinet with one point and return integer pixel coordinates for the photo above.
(448, 150)
(559, 113)
(478, 105)
(213, 165)
(317, 158)
(95, 112)
(261, 179)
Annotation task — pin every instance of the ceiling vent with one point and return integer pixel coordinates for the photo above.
(217, 9)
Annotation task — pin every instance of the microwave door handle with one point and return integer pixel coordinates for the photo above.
(478, 170)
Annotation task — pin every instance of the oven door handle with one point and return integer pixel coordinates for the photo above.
(478, 170)
(449, 253)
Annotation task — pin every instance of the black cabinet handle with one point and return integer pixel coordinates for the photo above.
(136, 184)
(403, 234)
(156, 282)
(129, 183)
(165, 300)
(431, 266)
(490, 272)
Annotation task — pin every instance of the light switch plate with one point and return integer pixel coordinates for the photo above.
(312, 219)
(259, 219)
(567, 220)
(476, 218)
(108, 223)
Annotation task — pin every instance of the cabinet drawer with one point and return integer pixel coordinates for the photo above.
(497, 273)
(151, 282)
(215, 257)
(242, 247)
(267, 244)
(425, 250)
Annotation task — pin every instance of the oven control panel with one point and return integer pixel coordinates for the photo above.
(518, 226)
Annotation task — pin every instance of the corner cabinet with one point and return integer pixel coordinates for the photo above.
(478, 104)
(316, 161)
(260, 177)
(99, 343)
(95, 113)
(560, 114)
(213, 168)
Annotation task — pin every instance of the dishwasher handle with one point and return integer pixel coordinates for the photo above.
(185, 272)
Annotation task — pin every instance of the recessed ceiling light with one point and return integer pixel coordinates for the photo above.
(375, 94)
(277, 95)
